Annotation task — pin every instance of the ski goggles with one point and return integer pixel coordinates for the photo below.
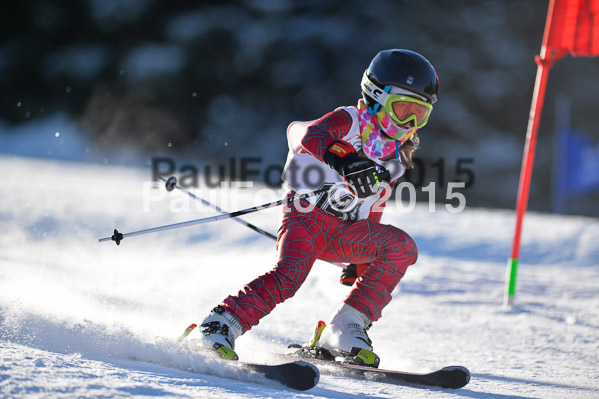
(400, 107)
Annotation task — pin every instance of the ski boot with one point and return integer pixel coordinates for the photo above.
(346, 338)
(220, 329)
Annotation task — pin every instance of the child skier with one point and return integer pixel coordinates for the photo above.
(359, 153)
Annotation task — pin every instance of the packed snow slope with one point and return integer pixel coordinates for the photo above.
(83, 318)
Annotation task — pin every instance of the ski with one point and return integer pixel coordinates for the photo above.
(453, 377)
(298, 374)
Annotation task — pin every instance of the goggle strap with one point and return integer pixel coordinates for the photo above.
(375, 92)
(376, 107)
(397, 151)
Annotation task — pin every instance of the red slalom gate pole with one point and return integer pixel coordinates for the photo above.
(534, 119)
(572, 26)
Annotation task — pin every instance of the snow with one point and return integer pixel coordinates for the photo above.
(89, 319)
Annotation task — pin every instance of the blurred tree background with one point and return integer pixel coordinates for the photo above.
(210, 80)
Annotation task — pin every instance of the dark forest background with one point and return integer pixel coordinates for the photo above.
(204, 81)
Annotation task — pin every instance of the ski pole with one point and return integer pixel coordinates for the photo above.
(118, 237)
(171, 184)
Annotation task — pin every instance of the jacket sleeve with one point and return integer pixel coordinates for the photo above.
(324, 131)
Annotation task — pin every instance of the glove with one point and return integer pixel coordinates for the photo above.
(351, 273)
(362, 175)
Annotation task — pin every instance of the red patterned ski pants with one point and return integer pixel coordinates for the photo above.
(305, 237)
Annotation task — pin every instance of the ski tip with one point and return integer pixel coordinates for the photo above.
(462, 369)
(299, 375)
(313, 368)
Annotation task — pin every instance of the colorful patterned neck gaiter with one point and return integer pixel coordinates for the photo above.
(376, 143)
